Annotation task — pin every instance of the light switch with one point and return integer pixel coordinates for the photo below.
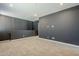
(53, 38)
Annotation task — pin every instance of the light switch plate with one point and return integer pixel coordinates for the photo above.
(52, 26)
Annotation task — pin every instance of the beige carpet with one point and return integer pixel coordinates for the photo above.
(35, 46)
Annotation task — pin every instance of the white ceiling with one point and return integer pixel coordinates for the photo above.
(31, 11)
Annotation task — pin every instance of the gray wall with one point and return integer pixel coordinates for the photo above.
(20, 24)
(6, 26)
(21, 33)
(35, 25)
(29, 25)
(11, 24)
(62, 26)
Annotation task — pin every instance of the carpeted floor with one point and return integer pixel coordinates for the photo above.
(35, 46)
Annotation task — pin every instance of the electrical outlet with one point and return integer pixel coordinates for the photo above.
(47, 37)
(53, 38)
(23, 36)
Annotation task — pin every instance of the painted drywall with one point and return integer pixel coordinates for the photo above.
(35, 26)
(62, 26)
(21, 33)
(10, 24)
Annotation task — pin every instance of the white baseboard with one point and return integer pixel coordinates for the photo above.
(72, 46)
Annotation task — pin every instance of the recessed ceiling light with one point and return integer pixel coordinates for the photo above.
(11, 5)
(35, 15)
(61, 4)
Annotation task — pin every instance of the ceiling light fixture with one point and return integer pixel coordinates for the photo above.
(35, 15)
(11, 5)
(61, 4)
